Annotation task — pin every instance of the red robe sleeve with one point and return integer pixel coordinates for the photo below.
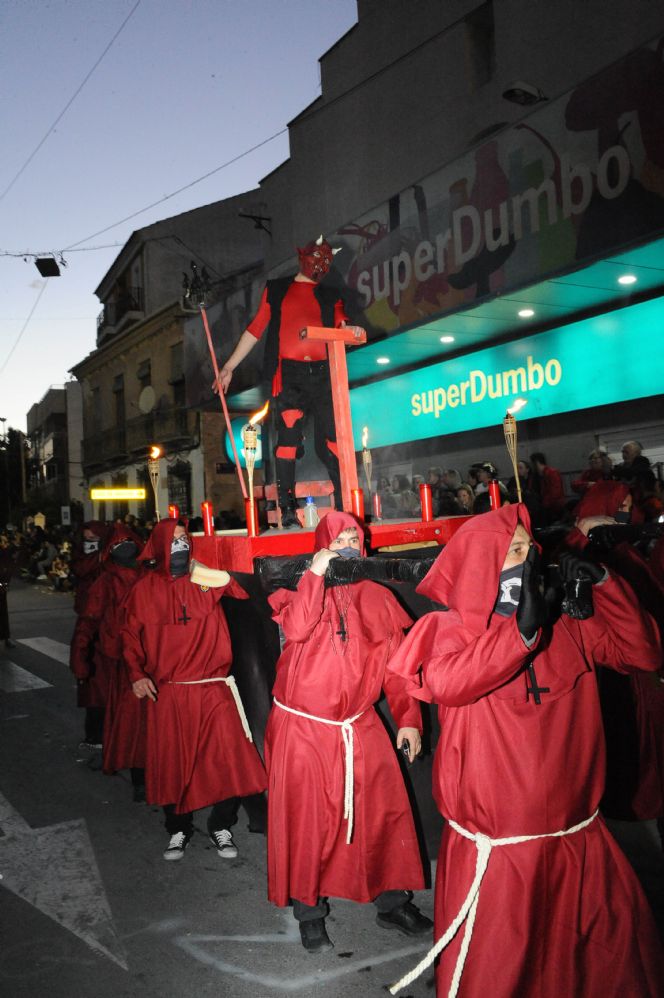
(404, 709)
(297, 613)
(457, 666)
(87, 629)
(621, 634)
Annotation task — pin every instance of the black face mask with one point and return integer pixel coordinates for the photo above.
(348, 552)
(623, 516)
(179, 556)
(509, 591)
(124, 553)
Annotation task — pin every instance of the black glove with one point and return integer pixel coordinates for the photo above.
(531, 613)
(572, 567)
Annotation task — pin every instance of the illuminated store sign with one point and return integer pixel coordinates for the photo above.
(609, 358)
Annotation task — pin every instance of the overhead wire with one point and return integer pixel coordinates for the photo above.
(70, 101)
(24, 327)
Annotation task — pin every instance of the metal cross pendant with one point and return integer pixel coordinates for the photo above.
(534, 688)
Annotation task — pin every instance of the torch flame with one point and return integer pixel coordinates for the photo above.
(257, 416)
(365, 436)
(155, 452)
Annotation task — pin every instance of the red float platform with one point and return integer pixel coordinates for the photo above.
(235, 551)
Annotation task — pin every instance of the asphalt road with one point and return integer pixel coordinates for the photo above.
(88, 907)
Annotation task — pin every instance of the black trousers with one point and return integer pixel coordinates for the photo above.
(222, 815)
(306, 391)
(385, 902)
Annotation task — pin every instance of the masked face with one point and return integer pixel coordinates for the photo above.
(124, 553)
(509, 591)
(89, 547)
(179, 556)
(315, 260)
(347, 544)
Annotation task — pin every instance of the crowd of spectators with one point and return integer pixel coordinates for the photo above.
(540, 486)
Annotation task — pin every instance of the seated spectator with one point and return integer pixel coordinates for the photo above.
(388, 501)
(435, 480)
(634, 462)
(648, 501)
(465, 496)
(59, 574)
(449, 506)
(486, 473)
(43, 560)
(452, 480)
(472, 476)
(599, 469)
(408, 503)
(523, 471)
(547, 484)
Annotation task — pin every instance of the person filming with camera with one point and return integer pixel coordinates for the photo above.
(533, 895)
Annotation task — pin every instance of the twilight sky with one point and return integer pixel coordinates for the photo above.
(107, 106)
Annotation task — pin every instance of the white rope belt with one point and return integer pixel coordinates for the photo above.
(232, 685)
(347, 735)
(468, 909)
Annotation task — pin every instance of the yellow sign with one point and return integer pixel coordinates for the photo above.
(101, 494)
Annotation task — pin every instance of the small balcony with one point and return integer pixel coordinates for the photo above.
(171, 426)
(128, 307)
(109, 447)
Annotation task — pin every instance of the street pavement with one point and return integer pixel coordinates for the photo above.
(88, 907)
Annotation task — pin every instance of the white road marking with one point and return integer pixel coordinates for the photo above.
(14, 679)
(201, 948)
(54, 649)
(54, 869)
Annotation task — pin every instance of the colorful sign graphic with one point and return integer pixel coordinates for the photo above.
(609, 358)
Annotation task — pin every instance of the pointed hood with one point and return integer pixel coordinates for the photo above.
(465, 575)
(602, 499)
(331, 526)
(158, 547)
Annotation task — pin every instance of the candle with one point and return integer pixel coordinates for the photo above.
(425, 502)
(173, 511)
(494, 494)
(208, 518)
(357, 503)
(377, 507)
(251, 515)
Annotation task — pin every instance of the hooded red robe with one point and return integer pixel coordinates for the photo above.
(176, 633)
(321, 674)
(556, 916)
(633, 705)
(86, 569)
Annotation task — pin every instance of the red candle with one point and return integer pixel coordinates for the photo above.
(494, 494)
(357, 503)
(173, 512)
(377, 507)
(425, 502)
(208, 519)
(251, 515)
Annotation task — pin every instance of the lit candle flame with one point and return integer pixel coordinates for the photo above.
(518, 405)
(365, 436)
(257, 416)
(155, 452)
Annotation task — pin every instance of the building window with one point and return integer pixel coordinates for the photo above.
(481, 44)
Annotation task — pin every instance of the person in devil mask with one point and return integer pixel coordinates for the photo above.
(91, 688)
(96, 654)
(339, 819)
(533, 895)
(297, 369)
(178, 654)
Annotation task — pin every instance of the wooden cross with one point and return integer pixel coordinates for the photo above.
(184, 618)
(336, 340)
(534, 688)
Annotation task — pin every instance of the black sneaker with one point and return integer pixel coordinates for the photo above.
(314, 936)
(177, 845)
(406, 919)
(222, 839)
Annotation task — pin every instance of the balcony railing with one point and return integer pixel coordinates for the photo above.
(131, 300)
(169, 426)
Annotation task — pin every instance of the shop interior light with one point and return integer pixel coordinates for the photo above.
(627, 279)
(526, 313)
(382, 360)
(447, 339)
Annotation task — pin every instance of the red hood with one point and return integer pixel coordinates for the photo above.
(602, 499)
(465, 575)
(331, 526)
(119, 532)
(158, 547)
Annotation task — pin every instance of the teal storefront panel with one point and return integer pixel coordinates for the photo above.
(610, 358)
